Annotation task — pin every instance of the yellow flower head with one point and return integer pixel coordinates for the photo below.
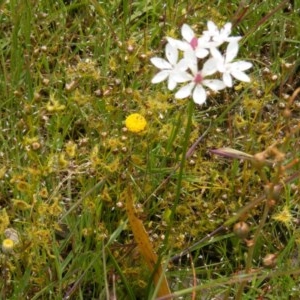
(135, 123)
(7, 245)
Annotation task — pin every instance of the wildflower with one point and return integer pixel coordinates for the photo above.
(193, 49)
(135, 123)
(191, 42)
(228, 68)
(217, 37)
(169, 67)
(197, 81)
(7, 246)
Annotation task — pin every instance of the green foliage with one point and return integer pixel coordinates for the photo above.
(71, 72)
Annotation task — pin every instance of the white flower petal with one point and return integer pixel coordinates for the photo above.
(187, 32)
(201, 52)
(212, 28)
(239, 75)
(185, 91)
(183, 46)
(171, 54)
(233, 39)
(173, 42)
(181, 77)
(182, 65)
(215, 53)
(204, 42)
(160, 63)
(192, 61)
(227, 79)
(219, 59)
(226, 30)
(160, 76)
(171, 84)
(210, 67)
(199, 94)
(214, 84)
(240, 65)
(231, 51)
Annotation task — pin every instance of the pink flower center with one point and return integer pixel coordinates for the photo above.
(198, 78)
(194, 43)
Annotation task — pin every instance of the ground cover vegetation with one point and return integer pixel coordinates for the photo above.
(116, 186)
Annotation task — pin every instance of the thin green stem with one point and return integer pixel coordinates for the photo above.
(190, 111)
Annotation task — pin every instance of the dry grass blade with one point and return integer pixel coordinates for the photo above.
(145, 247)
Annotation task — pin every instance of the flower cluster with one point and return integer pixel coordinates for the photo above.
(183, 58)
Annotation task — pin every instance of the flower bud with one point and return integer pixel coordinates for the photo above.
(241, 229)
(259, 159)
(270, 260)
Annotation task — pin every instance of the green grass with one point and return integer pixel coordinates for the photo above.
(71, 71)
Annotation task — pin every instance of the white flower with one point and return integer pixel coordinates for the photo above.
(169, 68)
(196, 84)
(228, 68)
(190, 43)
(185, 70)
(216, 37)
